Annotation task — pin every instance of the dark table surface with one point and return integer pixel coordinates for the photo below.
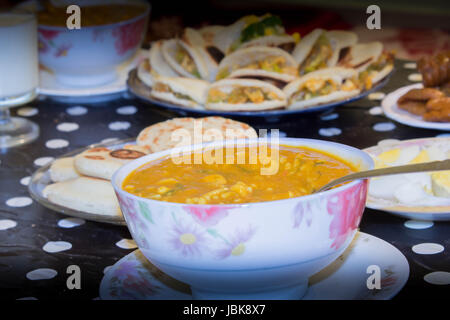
(94, 244)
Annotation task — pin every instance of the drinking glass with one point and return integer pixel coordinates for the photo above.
(18, 76)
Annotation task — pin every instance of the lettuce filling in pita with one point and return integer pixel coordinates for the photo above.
(245, 94)
(186, 61)
(258, 27)
(319, 55)
(276, 64)
(321, 87)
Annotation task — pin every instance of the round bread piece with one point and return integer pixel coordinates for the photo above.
(158, 137)
(103, 162)
(85, 194)
(63, 169)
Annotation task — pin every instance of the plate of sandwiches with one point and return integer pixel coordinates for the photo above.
(426, 104)
(78, 183)
(254, 68)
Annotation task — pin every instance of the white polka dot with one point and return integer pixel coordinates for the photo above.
(27, 112)
(76, 111)
(6, 224)
(443, 135)
(427, 248)
(41, 274)
(330, 116)
(375, 111)
(376, 96)
(119, 125)
(70, 222)
(281, 134)
(19, 202)
(384, 126)
(56, 143)
(415, 77)
(127, 110)
(40, 162)
(417, 224)
(96, 298)
(388, 142)
(107, 140)
(57, 246)
(410, 65)
(25, 181)
(106, 269)
(329, 132)
(27, 298)
(438, 278)
(67, 126)
(126, 244)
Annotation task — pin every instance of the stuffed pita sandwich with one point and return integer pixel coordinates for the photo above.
(370, 61)
(320, 49)
(259, 62)
(154, 65)
(184, 92)
(322, 86)
(244, 95)
(185, 59)
(250, 31)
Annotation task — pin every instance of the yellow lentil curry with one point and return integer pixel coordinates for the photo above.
(300, 172)
(94, 15)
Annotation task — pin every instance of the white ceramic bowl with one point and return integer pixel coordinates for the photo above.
(90, 56)
(264, 250)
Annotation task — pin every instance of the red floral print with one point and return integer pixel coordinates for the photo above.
(207, 215)
(48, 34)
(128, 36)
(346, 208)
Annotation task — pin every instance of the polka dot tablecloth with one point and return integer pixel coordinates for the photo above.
(38, 245)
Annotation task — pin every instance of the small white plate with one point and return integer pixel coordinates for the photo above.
(134, 278)
(417, 212)
(392, 111)
(48, 85)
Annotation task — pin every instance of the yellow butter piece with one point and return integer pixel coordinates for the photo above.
(440, 182)
(421, 157)
(389, 156)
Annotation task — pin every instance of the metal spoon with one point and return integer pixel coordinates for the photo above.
(409, 168)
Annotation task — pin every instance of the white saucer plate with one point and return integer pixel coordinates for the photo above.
(135, 278)
(57, 91)
(392, 111)
(415, 212)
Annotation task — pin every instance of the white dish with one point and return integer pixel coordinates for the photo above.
(57, 91)
(134, 278)
(391, 110)
(417, 212)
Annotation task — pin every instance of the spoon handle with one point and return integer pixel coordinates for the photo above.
(409, 168)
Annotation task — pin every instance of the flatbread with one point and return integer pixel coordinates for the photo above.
(340, 39)
(228, 84)
(85, 194)
(63, 169)
(103, 162)
(160, 136)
